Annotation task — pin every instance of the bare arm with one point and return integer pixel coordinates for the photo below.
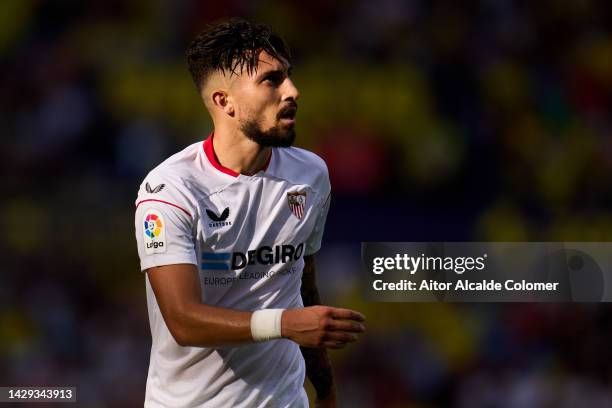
(193, 323)
(318, 366)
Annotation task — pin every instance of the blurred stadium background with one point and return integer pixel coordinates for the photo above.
(439, 121)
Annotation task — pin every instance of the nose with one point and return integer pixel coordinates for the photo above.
(289, 90)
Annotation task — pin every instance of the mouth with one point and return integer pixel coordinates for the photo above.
(288, 114)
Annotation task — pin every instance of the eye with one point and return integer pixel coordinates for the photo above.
(274, 78)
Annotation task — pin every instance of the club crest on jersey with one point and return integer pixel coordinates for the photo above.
(154, 232)
(218, 220)
(297, 203)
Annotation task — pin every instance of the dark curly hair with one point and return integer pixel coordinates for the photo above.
(232, 45)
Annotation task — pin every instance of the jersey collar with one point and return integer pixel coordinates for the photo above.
(210, 155)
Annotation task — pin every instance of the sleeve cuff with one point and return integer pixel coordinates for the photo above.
(162, 260)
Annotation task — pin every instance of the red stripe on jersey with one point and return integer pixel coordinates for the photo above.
(210, 153)
(209, 150)
(165, 202)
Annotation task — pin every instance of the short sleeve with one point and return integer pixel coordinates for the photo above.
(313, 244)
(164, 234)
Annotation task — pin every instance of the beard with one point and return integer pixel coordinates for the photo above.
(276, 136)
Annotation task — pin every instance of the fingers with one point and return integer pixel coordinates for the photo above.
(334, 345)
(331, 327)
(340, 337)
(347, 314)
(338, 340)
(346, 326)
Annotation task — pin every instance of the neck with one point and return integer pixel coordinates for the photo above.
(237, 152)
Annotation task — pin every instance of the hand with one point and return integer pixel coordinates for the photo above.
(322, 326)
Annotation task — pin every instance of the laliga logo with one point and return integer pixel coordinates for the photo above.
(153, 227)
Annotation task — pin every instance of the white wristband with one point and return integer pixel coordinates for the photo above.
(266, 324)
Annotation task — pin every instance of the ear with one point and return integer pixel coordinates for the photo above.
(221, 100)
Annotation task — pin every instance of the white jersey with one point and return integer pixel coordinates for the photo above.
(248, 236)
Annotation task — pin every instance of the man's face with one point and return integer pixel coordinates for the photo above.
(265, 103)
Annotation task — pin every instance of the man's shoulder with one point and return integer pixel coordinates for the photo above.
(171, 180)
(302, 160)
(303, 156)
(297, 163)
(180, 163)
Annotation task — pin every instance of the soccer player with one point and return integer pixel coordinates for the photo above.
(227, 230)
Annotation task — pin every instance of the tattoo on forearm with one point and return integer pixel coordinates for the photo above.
(318, 370)
(310, 295)
(318, 366)
(309, 291)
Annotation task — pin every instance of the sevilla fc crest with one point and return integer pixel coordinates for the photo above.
(297, 203)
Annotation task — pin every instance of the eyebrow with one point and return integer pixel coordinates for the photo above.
(275, 72)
